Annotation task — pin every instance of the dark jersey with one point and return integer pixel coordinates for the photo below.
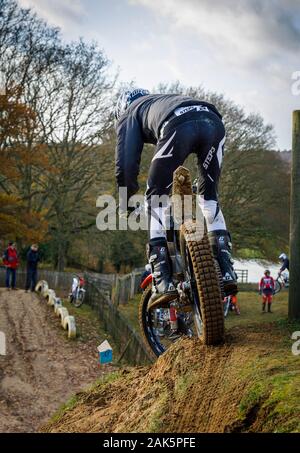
(33, 258)
(141, 123)
(285, 265)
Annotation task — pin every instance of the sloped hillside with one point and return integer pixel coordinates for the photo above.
(252, 383)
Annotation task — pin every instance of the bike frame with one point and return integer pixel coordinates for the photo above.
(283, 282)
(79, 282)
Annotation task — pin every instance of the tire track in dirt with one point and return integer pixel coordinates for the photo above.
(42, 369)
(15, 324)
(204, 396)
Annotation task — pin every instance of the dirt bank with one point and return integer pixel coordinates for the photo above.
(250, 384)
(41, 369)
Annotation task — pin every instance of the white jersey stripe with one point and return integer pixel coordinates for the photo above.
(160, 155)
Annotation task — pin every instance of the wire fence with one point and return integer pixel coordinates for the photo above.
(126, 286)
(128, 342)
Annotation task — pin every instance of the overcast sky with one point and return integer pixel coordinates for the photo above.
(246, 49)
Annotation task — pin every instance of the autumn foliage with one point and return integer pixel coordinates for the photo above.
(17, 219)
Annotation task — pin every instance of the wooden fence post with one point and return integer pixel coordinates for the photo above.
(132, 285)
(294, 289)
(117, 291)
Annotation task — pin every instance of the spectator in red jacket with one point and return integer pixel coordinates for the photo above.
(266, 288)
(11, 261)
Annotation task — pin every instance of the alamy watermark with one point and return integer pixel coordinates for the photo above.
(296, 345)
(295, 88)
(2, 343)
(135, 213)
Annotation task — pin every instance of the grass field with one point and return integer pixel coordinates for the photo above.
(251, 309)
(250, 305)
(130, 311)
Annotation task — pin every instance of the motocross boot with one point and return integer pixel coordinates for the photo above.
(269, 308)
(220, 242)
(163, 289)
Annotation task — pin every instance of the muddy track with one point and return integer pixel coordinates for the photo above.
(41, 369)
(204, 396)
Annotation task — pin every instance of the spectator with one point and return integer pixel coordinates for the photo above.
(33, 257)
(11, 261)
(266, 289)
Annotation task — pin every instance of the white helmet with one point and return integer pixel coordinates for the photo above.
(148, 268)
(126, 98)
(282, 257)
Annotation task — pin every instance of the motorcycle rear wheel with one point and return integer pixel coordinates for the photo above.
(79, 299)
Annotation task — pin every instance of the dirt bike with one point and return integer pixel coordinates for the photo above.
(77, 294)
(198, 308)
(282, 281)
(230, 304)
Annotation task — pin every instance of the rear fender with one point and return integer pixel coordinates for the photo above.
(146, 282)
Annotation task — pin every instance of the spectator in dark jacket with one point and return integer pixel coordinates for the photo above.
(11, 262)
(33, 257)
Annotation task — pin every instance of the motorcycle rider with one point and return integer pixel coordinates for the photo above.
(178, 126)
(285, 263)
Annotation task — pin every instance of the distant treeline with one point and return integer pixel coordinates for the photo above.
(57, 153)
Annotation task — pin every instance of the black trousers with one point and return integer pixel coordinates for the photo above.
(31, 279)
(201, 133)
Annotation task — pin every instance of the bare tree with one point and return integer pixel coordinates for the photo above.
(74, 123)
(29, 49)
(66, 89)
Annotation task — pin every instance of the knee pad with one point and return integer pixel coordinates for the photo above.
(210, 208)
(212, 213)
